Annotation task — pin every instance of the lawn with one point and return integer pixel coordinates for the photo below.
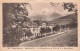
(67, 39)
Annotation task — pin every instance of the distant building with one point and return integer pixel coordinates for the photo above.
(35, 29)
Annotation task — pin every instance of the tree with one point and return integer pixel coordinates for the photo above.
(48, 30)
(71, 7)
(13, 14)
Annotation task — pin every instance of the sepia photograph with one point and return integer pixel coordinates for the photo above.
(42, 24)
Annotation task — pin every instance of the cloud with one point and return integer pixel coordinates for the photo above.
(45, 14)
(46, 11)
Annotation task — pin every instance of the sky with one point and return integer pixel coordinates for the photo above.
(45, 8)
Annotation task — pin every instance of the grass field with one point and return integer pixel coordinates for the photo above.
(67, 39)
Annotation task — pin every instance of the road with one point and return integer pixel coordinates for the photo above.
(66, 39)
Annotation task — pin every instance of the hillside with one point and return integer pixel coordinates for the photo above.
(66, 19)
(61, 20)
